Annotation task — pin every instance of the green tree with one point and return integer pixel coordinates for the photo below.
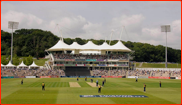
(4, 61)
(16, 60)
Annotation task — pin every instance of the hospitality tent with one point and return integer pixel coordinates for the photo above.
(22, 65)
(2, 66)
(10, 65)
(33, 65)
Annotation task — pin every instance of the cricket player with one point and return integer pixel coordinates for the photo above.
(22, 81)
(160, 84)
(144, 87)
(102, 83)
(136, 80)
(104, 80)
(91, 80)
(77, 79)
(43, 86)
(85, 78)
(99, 89)
(97, 83)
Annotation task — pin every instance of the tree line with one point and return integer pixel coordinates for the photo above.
(34, 42)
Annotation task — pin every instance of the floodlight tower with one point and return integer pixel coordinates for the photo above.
(12, 25)
(166, 28)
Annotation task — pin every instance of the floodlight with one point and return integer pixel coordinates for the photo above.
(166, 28)
(12, 25)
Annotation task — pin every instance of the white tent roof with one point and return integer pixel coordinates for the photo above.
(22, 65)
(10, 64)
(60, 45)
(119, 46)
(104, 46)
(33, 65)
(2, 65)
(90, 46)
(75, 45)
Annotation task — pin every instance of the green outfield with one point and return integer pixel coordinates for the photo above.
(157, 65)
(60, 91)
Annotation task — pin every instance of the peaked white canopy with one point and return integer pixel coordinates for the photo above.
(22, 65)
(33, 65)
(59, 46)
(10, 64)
(75, 45)
(90, 46)
(104, 46)
(119, 46)
(2, 65)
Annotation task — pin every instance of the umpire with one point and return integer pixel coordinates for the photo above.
(43, 86)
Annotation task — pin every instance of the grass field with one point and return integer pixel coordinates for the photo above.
(40, 62)
(58, 91)
(156, 65)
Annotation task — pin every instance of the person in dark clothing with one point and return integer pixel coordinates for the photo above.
(22, 81)
(77, 79)
(136, 80)
(99, 89)
(104, 80)
(160, 83)
(91, 80)
(102, 83)
(85, 78)
(144, 87)
(43, 86)
(97, 83)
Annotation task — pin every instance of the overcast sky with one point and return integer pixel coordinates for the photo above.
(98, 19)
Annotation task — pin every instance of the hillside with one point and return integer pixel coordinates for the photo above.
(34, 42)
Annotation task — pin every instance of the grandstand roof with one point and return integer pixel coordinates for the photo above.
(59, 46)
(75, 45)
(118, 46)
(90, 46)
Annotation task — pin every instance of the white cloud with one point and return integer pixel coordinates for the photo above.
(25, 20)
(79, 26)
(155, 36)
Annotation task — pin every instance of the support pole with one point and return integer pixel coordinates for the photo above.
(166, 49)
(12, 46)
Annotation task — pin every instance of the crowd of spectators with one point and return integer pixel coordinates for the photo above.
(81, 56)
(101, 72)
(32, 72)
(108, 72)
